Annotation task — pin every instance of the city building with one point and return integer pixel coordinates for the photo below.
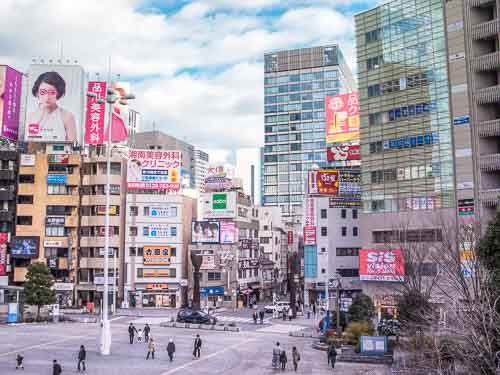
(201, 163)
(90, 276)
(48, 215)
(248, 167)
(295, 85)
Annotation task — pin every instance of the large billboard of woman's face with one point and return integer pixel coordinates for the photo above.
(54, 108)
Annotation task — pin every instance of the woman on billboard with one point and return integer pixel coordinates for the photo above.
(50, 122)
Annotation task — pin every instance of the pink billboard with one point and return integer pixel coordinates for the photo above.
(228, 232)
(94, 119)
(10, 101)
(4, 238)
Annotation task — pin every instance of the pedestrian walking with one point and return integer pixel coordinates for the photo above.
(82, 357)
(276, 355)
(314, 310)
(197, 347)
(171, 349)
(261, 316)
(254, 316)
(56, 368)
(283, 360)
(290, 314)
(139, 335)
(147, 330)
(332, 355)
(284, 313)
(131, 331)
(295, 358)
(19, 362)
(151, 348)
(308, 312)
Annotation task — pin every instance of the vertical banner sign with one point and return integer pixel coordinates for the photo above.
(310, 222)
(94, 120)
(4, 237)
(290, 237)
(342, 118)
(10, 101)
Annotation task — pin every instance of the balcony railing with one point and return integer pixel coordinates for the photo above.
(478, 3)
(491, 61)
(490, 198)
(489, 128)
(486, 30)
(490, 163)
(488, 95)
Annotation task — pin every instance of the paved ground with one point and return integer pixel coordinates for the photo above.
(244, 353)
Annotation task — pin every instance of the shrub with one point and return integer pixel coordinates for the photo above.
(361, 309)
(357, 329)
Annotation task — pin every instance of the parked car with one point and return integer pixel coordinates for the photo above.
(277, 306)
(197, 317)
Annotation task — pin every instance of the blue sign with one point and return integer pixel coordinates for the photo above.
(13, 312)
(212, 291)
(57, 179)
(461, 120)
(374, 345)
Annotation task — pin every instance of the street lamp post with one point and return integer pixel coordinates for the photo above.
(111, 98)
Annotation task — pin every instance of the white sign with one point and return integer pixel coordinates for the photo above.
(465, 185)
(28, 160)
(53, 243)
(463, 152)
(154, 170)
(457, 56)
(160, 231)
(459, 88)
(219, 205)
(163, 211)
(100, 288)
(100, 280)
(63, 286)
(452, 27)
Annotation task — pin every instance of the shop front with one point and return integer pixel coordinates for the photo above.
(155, 295)
(64, 294)
(212, 296)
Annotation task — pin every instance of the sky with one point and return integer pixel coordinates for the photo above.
(196, 67)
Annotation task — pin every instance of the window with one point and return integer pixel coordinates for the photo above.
(145, 211)
(58, 210)
(134, 210)
(140, 251)
(173, 231)
(323, 270)
(324, 231)
(354, 214)
(323, 213)
(343, 213)
(58, 147)
(347, 251)
(344, 231)
(58, 189)
(323, 249)
(132, 251)
(25, 199)
(55, 231)
(132, 231)
(139, 272)
(373, 63)
(26, 178)
(355, 231)
(214, 276)
(24, 220)
(348, 272)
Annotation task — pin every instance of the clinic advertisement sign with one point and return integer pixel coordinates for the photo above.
(10, 101)
(154, 170)
(219, 205)
(342, 118)
(324, 182)
(381, 265)
(94, 120)
(4, 238)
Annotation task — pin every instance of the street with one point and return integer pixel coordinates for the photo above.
(246, 352)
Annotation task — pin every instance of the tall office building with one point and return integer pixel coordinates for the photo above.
(201, 163)
(429, 129)
(295, 85)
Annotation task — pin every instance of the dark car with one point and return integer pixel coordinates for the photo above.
(198, 317)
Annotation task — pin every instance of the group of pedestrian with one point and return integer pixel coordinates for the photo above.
(287, 313)
(258, 316)
(280, 358)
(56, 367)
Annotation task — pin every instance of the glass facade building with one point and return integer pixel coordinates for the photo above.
(406, 131)
(295, 85)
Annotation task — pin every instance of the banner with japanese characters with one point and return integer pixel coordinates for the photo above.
(342, 117)
(10, 102)
(154, 170)
(94, 121)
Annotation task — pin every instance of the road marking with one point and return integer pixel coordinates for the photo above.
(174, 370)
(40, 345)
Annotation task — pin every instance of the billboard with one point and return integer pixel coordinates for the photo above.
(154, 170)
(323, 181)
(163, 211)
(54, 106)
(94, 119)
(4, 238)
(219, 205)
(208, 262)
(205, 231)
(10, 102)
(228, 232)
(381, 265)
(342, 117)
(159, 231)
(343, 152)
(157, 255)
(310, 222)
(24, 247)
(217, 183)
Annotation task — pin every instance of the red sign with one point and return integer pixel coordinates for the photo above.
(290, 237)
(342, 117)
(324, 181)
(4, 237)
(309, 235)
(342, 153)
(94, 121)
(381, 265)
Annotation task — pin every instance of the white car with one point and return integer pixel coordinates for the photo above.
(277, 306)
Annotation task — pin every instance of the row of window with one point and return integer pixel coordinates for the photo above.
(343, 213)
(99, 231)
(170, 211)
(95, 252)
(283, 198)
(311, 76)
(402, 55)
(170, 232)
(395, 85)
(343, 231)
(295, 127)
(295, 147)
(99, 210)
(405, 142)
(308, 86)
(396, 28)
(312, 156)
(92, 168)
(318, 135)
(248, 272)
(410, 235)
(304, 116)
(304, 96)
(403, 174)
(291, 188)
(304, 106)
(380, 118)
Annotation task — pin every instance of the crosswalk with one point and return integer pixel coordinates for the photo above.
(281, 328)
(239, 319)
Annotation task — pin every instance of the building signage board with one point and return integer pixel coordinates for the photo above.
(10, 102)
(290, 237)
(208, 262)
(309, 235)
(157, 286)
(154, 170)
(57, 220)
(205, 231)
(342, 117)
(228, 232)
(28, 160)
(157, 255)
(63, 286)
(4, 238)
(324, 181)
(156, 272)
(461, 120)
(219, 205)
(212, 291)
(343, 152)
(463, 152)
(217, 183)
(57, 179)
(58, 159)
(165, 211)
(335, 202)
(94, 121)
(465, 185)
(310, 222)
(24, 247)
(53, 243)
(160, 231)
(101, 210)
(381, 265)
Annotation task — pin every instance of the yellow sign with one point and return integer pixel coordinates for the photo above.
(156, 286)
(157, 255)
(467, 255)
(156, 273)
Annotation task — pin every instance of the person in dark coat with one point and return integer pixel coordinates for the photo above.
(261, 316)
(314, 309)
(82, 357)
(56, 368)
(147, 329)
(283, 360)
(295, 358)
(332, 355)
(171, 350)
(254, 316)
(19, 362)
(131, 331)
(197, 347)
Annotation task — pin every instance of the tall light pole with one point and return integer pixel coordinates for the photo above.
(111, 98)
